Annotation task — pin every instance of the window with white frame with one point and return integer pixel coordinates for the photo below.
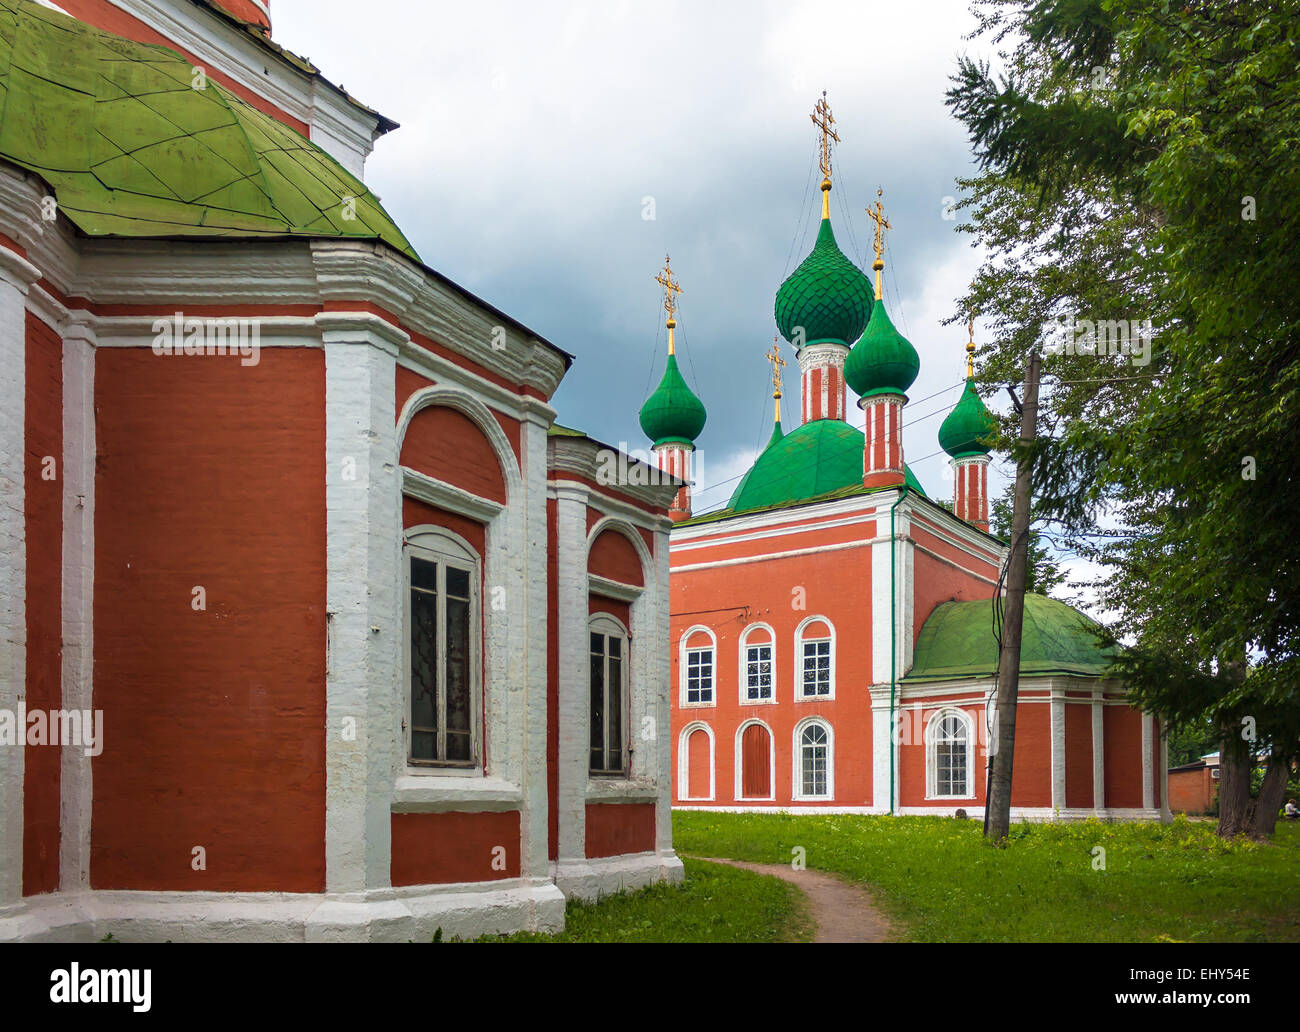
(813, 764)
(949, 759)
(815, 659)
(698, 658)
(609, 697)
(443, 677)
(758, 665)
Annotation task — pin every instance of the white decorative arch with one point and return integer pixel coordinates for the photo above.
(771, 761)
(686, 636)
(628, 531)
(931, 759)
(797, 683)
(796, 765)
(684, 761)
(742, 681)
(478, 414)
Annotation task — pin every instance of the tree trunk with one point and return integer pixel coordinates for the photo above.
(1236, 806)
(1270, 796)
(998, 805)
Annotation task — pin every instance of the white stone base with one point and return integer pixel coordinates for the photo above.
(592, 879)
(1018, 813)
(395, 915)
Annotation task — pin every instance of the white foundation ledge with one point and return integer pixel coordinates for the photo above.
(621, 790)
(435, 793)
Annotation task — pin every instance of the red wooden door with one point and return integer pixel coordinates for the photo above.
(756, 763)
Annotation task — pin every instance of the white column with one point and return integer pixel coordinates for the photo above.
(658, 699)
(883, 742)
(1098, 751)
(16, 276)
(1058, 748)
(533, 818)
(363, 546)
(78, 594)
(571, 639)
(1148, 762)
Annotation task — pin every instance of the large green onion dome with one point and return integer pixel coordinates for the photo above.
(827, 295)
(815, 459)
(883, 361)
(672, 412)
(962, 434)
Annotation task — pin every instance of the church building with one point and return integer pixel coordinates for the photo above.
(314, 623)
(832, 641)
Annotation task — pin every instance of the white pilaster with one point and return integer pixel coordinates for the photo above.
(571, 639)
(78, 594)
(1058, 748)
(1098, 751)
(1148, 762)
(16, 276)
(658, 698)
(883, 742)
(363, 546)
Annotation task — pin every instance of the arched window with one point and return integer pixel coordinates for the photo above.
(814, 763)
(444, 687)
(695, 764)
(755, 760)
(757, 664)
(949, 757)
(609, 696)
(814, 648)
(697, 657)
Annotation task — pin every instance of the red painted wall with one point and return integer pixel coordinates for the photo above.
(613, 556)
(1192, 791)
(448, 446)
(437, 848)
(210, 473)
(617, 828)
(1078, 754)
(43, 519)
(1031, 776)
(1123, 738)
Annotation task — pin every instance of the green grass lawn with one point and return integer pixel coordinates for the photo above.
(941, 882)
(715, 904)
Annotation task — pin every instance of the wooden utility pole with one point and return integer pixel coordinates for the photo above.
(998, 804)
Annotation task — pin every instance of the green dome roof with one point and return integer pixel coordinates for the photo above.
(672, 412)
(957, 641)
(131, 149)
(883, 361)
(961, 433)
(827, 295)
(815, 459)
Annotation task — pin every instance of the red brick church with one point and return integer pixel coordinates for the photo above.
(314, 623)
(834, 599)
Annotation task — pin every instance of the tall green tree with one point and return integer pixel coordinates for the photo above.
(1140, 163)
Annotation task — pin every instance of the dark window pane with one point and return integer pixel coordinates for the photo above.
(424, 574)
(597, 707)
(615, 709)
(598, 644)
(457, 582)
(424, 655)
(615, 646)
(458, 746)
(424, 745)
(458, 663)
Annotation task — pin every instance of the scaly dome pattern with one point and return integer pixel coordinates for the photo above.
(827, 295)
(883, 361)
(672, 412)
(963, 431)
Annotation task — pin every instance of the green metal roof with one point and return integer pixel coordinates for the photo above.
(957, 642)
(672, 412)
(827, 295)
(883, 361)
(815, 459)
(966, 427)
(132, 149)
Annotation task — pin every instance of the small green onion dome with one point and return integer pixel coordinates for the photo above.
(883, 361)
(827, 295)
(672, 412)
(968, 424)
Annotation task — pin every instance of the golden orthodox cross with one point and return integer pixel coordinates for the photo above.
(671, 289)
(823, 120)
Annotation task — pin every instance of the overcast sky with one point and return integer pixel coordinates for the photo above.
(532, 136)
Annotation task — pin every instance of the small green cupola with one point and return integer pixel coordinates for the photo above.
(827, 296)
(965, 431)
(883, 361)
(672, 414)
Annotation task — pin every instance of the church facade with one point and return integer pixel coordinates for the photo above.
(832, 627)
(314, 623)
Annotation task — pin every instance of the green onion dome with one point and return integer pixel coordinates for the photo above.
(963, 433)
(827, 295)
(672, 412)
(883, 361)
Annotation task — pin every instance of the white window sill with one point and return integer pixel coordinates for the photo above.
(421, 793)
(758, 702)
(698, 705)
(621, 790)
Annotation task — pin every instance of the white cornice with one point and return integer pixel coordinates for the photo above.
(613, 589)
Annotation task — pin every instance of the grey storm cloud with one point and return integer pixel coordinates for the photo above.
(532, 136)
